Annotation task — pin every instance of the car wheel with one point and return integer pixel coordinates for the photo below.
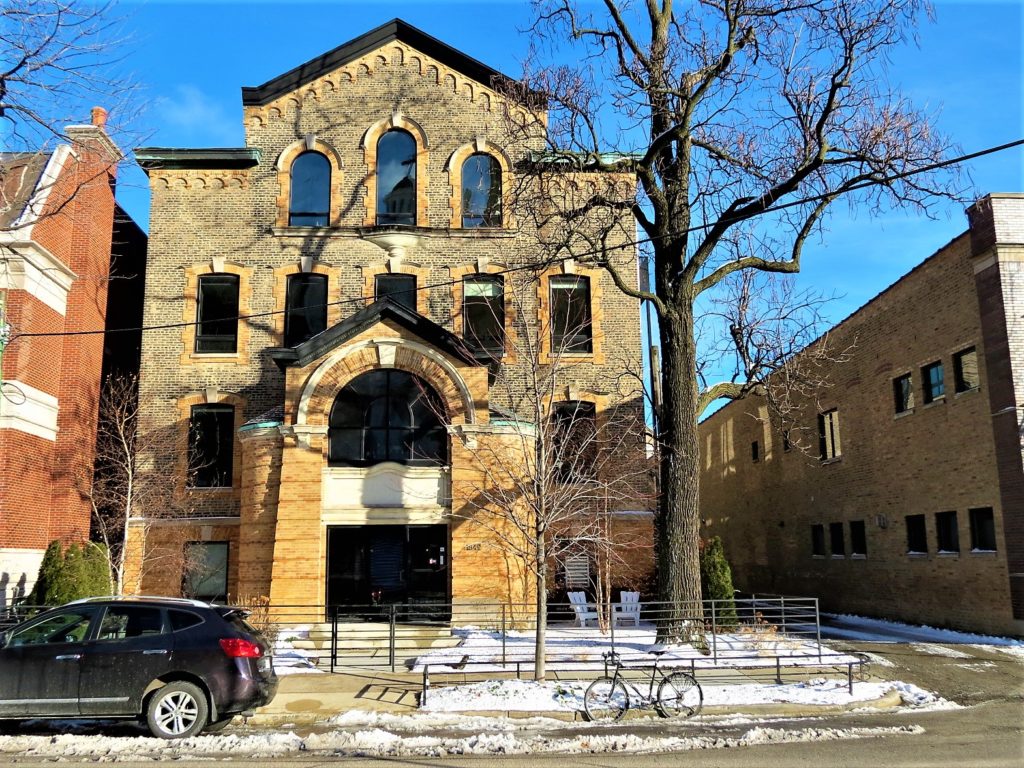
(216, 726)
(176, 711)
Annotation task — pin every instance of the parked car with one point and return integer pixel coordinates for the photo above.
(184, 666)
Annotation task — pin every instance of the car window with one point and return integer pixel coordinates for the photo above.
(122, 622)
(237, 620)
(183, 620)
(65, 627)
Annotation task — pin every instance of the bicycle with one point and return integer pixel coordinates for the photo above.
(608, 697)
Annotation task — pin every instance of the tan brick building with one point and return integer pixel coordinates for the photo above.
(366, 235)
(909, 502)
(57, 218)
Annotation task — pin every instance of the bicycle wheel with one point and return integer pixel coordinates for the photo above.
(606, 699)
(679, 694)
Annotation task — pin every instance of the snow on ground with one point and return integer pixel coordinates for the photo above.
(940, 650)
(1017, 651)
(850, 627)
(572, 648)
(382, 742)
(289, 660)
(564, 696)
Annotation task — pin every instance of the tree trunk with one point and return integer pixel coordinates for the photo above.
(678, 518)
(540, 642)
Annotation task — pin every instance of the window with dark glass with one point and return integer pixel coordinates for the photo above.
(829, 444)
(123, 622)
(401, 289)
(787, 441)
(983, 529)
(310, 203)
(755, 451)
(483, 313)
(947, 531)
(836, 539)
(965, 370)
(387, 415)
(571, 323)
(573, 444)
(818, 540)
(858, 538)
(903, 393)
(917, 536)
(481, 192)
(211, 445)
(396, 178)
(217, 314)
(933, 382)
(206, 570)
(305, 313)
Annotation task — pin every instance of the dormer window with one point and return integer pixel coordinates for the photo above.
(310, 202)
(481, 192)
(396, 178)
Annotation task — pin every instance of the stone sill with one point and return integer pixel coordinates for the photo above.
(482, 233)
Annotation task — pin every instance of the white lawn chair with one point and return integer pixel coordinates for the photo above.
(584, 611)
(627, 609)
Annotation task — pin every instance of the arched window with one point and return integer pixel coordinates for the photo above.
(387, 415)
(396, 178)
(481, 192)
(310, 203)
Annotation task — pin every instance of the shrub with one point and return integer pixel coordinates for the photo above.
(49, 573)
(716, 582)
(70, 575)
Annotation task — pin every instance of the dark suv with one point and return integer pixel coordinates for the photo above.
(184, 666)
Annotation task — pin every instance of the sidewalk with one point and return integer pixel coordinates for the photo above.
(310, 698)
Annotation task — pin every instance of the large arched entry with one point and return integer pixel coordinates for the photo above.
(387, 427)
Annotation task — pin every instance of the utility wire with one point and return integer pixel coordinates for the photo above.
(557, 260)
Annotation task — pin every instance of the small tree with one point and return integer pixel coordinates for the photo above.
(49, 574)
(716, 581)
(66, 575)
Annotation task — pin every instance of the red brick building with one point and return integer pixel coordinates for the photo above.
(57, 213)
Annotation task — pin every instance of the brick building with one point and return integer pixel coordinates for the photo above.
(908, 502)
(326, 446)
(57, 216)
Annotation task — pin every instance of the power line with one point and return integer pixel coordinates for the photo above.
(556, 260)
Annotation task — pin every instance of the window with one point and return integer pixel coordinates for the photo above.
(483, 313)
(387, 415)
(949, 535)
(829, 444)
(818, 540)
(211, 445)
(903, 393)
(933, 383)
(124, 622)
(983, 530)
(573, 445)
(965, 370)
(401, 289)
(183, 620)
(571, 323)
(481, 192)
(217, 314)
(787, 441)
(577, 570)
(310, 202)
(305, 312)
(917, 537)
(206, 571)
(835, 535)
(858, 538)
(396, 178)
(66, 627)
(755, 451)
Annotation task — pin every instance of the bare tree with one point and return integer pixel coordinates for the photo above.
(743, 122)
(122, 494)
(549, 485)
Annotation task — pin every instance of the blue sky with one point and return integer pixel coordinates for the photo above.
(192, 58)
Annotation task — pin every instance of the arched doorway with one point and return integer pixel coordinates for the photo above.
(386, 424)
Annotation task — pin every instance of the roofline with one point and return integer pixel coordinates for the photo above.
(173, 158)
(396, 29)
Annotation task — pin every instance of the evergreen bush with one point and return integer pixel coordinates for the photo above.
(49, 573)
(716, 582)
(71, 575)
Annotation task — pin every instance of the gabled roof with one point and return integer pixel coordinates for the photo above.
(19, 176)
(384, 309)
(396, 29)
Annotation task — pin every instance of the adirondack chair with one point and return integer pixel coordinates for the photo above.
(627, 609)
(584, 611)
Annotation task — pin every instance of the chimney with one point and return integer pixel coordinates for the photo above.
(99, 117)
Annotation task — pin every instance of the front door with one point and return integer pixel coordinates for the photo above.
(40, 665)
(387, 564)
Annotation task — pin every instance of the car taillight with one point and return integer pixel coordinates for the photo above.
(237, 648)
